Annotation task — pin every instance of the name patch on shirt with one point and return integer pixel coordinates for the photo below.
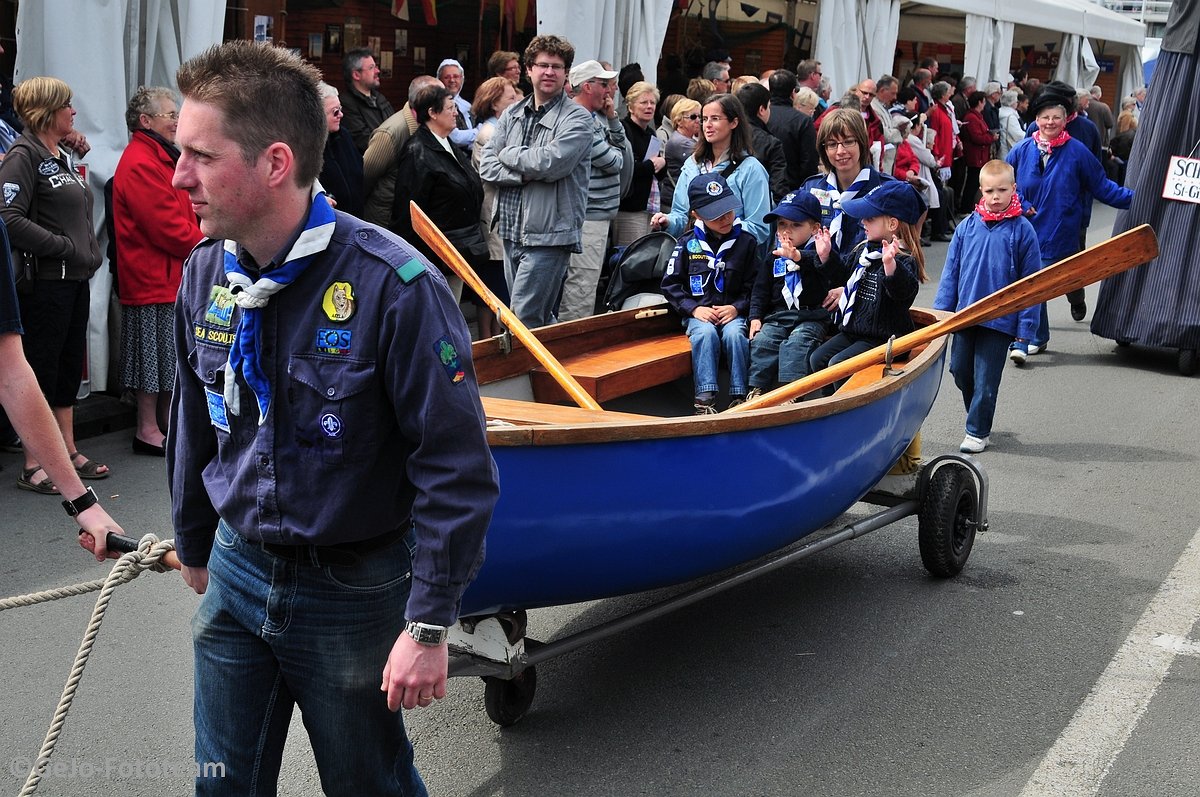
(333, 341)
(216, 409)
(448, 357)
(220, 306)
(221, 337)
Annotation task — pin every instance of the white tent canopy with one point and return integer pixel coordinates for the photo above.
(617, 31)
(104, 54)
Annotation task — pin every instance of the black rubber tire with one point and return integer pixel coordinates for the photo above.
(506, 701)
(1123, 344)
(946, 531)
(1188, 363)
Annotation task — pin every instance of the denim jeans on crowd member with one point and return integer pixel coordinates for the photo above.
(977, 358)
(535, 277)
(271, 634)
(779, 352)
(708, 342)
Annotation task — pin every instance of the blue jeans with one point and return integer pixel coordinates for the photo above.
(271, 634)
(708, 341)
(535, 277)
(779, 352)
(977, 357)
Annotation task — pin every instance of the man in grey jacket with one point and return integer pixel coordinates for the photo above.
(539, 158)
(594, 87)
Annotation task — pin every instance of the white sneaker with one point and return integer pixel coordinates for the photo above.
(1035, 349)
(1017, 356)
(974, 445)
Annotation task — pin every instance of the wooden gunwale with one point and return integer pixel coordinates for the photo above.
(587, 334)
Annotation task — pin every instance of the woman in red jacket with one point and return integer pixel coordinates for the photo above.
(941, 123)
(155, 230)
(977, 140)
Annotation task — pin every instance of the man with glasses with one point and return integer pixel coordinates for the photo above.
(450, 72)
(610, 151)
(538, 156)
(808, 75)
(363, 107)
(718, 73)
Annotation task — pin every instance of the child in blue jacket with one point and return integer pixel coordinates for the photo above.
(787, 317)
(992, 248)
(708, 282)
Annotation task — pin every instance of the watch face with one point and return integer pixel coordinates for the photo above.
(426, 635)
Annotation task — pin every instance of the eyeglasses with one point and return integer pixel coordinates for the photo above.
(832, 146)
(718, 118)
(692, 116)
(65, 105)
(335, 112)
(172, 115)
(866, 93)
(550, 67)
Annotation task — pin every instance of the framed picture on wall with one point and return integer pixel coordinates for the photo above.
(375, 45)
(353, 34)
(419, 59)
(333, 39)
(385, 63)
(462, 54)
(315, 45)
(401, 43)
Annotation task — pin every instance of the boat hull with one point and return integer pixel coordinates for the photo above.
(588, 520)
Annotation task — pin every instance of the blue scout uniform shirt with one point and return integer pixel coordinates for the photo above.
(375, 419)
(816, 278)
(689, 283)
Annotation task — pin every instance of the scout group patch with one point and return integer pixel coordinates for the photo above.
(448, 356)
(338, 302)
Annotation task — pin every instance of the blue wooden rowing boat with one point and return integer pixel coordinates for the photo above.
(595, 504)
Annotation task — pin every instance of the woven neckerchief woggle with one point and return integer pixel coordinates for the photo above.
(252, 296)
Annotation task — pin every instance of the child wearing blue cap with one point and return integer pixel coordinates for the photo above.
(787, 319)
(874, 304)
(992, 248)
(708, 282)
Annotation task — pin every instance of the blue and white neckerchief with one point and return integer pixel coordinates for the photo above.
(839, 196)
(252, 296)
(716, 260)
(793, 286)
(868, 258)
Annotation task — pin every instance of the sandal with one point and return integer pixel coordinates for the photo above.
(89, 469)
(45, 486)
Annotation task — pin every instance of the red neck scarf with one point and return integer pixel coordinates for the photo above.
(1012, 211)
(1047, 146)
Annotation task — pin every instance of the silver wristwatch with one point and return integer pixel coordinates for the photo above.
(426, 634)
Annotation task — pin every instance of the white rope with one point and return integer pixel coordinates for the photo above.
(148, 556)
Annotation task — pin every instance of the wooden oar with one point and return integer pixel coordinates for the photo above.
(1113, 256)
(441, 246)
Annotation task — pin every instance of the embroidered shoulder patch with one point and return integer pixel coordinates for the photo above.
(448, 357)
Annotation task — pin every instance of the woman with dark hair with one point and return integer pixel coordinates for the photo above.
(977, 139)
(724, 147)
(438, 177)
(48, 211)
(844, 149)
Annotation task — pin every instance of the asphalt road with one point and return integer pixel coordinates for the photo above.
(851, 673)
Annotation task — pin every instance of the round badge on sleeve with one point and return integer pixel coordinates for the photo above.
(331, 425)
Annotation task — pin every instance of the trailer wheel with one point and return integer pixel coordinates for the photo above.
(507, 700)
(1188, 362)
(946, 529)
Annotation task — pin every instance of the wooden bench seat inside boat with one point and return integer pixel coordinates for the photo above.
(527, 413)
(618, 370)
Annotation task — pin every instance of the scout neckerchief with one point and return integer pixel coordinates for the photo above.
(793, 286)
(868, 258)
(1046, 147)
(1012, 211)
(839, 196)
(252, 296)
(716, 261)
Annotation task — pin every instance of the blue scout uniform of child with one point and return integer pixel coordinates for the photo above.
(787, 319)
(708, 281)
(874, 304)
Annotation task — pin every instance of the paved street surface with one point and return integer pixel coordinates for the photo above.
(851, 673)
